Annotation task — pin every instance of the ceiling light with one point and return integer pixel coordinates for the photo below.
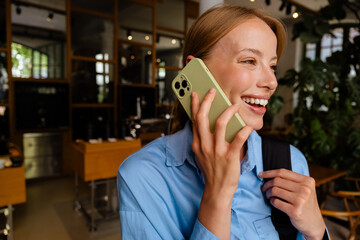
(50, 17)
(295, 15)
(147, 37)
(149, 52)
(173, 41)
(129, 36)
(252, 0)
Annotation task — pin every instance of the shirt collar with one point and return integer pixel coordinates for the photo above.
(255, 154)
(178, 149)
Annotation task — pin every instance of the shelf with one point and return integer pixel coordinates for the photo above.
(3, 49)
(91, 12)
(4, 105)
(141, 44)
(164, 104)
(167, 29)
(92, 105)
(137, 85)
(44, 80)
(90, 59)
(42, 130)
(171, 68)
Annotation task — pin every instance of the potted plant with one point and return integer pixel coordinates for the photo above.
(326, 119)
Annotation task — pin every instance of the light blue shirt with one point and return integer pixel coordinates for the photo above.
(160, 189)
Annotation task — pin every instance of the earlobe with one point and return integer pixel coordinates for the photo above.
(188, 58)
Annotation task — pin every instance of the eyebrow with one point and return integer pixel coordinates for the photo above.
(257, 52)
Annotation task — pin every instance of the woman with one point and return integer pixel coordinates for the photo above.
(195, 185)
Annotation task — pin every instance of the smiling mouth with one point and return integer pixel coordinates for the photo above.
(256, 101)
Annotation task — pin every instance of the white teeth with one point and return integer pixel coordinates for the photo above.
(259, 101)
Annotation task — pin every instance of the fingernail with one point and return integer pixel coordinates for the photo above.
(212, 90)
(236, 104)
(193, 94)
(260, 174)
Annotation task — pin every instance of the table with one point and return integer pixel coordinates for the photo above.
(97, 164)
(323, 175)
(13, 191)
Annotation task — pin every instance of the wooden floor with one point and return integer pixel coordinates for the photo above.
(48, 214)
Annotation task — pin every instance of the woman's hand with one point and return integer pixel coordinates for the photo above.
(219, 161)
(295, 195)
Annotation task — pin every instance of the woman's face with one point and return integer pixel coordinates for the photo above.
(243, 63)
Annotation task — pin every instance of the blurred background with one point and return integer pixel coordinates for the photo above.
(93, 77)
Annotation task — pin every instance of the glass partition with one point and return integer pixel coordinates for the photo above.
(4, 123)
(38, 47)
(135, 22)
(174, 19)
(4, 87)
(92, 82)
(163, 83)
(135, 64)
(104, 6)
(93, 123)
(92, 35)
(2, 24)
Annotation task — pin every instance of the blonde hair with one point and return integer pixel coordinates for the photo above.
(209, 28)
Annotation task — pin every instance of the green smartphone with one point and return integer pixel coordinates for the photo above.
(196, 77)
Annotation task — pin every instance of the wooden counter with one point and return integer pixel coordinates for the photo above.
(12, 186)
(101, 160)
(323, 175)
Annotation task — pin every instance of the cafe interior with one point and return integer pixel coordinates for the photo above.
(84, 84)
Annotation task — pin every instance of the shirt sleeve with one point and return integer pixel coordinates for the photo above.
(133, 222)
(135, 225)
(299, 165)
(201, 232)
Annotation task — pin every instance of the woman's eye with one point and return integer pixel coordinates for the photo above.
(249, 61)
(274, 68)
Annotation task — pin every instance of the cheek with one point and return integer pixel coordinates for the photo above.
(242, 82)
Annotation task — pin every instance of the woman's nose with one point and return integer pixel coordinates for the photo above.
(268, 79)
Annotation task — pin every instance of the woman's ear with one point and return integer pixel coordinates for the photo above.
(188, 58)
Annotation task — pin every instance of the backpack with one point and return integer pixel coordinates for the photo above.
(276, 155)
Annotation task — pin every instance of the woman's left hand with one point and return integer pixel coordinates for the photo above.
(295, 195)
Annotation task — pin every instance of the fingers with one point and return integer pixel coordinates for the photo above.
(282, 183)
(202, 137)
(201, 118)
(240, 139)
(283, 173)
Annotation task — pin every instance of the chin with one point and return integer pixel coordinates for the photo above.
(255, 125)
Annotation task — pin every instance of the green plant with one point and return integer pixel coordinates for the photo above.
(326, 126)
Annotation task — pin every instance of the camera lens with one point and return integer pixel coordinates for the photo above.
(177, 85)
(184, 84)
(181, 92)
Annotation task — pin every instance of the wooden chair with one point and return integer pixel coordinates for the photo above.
(351, 208)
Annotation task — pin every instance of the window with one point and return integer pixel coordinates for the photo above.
(102, 76)
(28, 62)
(330, 44)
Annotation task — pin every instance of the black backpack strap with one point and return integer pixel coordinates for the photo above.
(276, 154)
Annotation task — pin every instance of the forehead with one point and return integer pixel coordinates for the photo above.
(252, 33)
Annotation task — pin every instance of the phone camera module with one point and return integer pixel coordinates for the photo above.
(184, 84)
(177, 85)
(181, 92)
